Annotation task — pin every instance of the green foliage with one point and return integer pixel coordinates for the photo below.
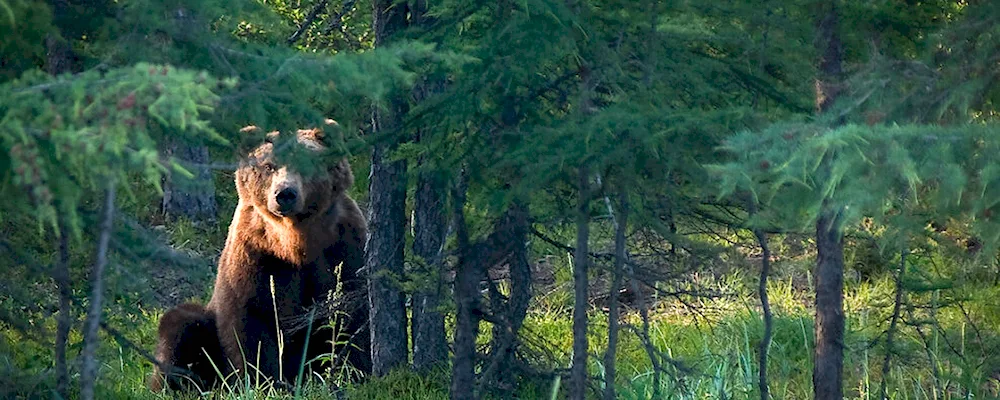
(918, 171)
(24, 25)
(64, 136)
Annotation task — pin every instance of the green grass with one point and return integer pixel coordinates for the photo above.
(721, 351)
(719, 343)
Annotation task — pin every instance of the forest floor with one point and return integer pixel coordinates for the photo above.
(715, 348)
(945, 345)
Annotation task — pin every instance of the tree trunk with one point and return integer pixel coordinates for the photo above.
(828, 366)
(65, 321)
(192, 198)
(467, 276)
(384, 262)
(386, 219)
(893, 322)
(88, 375)
(828, 360)
(765, 342)
(578, 371)
(621, 224)
(58, 60)
(509, 314)
(429, 344)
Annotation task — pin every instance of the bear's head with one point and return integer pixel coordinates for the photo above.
(293, 176)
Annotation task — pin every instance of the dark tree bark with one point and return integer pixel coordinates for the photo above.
(467, 277)
(59, 57)
(578, 370)
(828, 358)
(890, 334)
(430, 348)
(621, 224)
(509, 315)
(190, 198)
(88, 375)
(828, 367)
(765, 342)
(65, 321)
(59, 60)
(387, 216)
(384, 262)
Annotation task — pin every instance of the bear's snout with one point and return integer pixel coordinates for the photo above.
(286, 199)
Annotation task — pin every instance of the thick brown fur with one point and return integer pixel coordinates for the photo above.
(187, 334)
(290, 248)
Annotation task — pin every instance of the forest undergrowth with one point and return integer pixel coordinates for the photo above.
(942, 350)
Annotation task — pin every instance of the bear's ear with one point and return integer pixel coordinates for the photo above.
(269, 138)
(251, 137)
(314, 138)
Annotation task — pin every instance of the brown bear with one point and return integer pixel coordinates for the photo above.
(296, 239)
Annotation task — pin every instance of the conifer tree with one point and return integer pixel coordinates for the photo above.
(386, 218)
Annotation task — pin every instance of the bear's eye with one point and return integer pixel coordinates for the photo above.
(269, 167)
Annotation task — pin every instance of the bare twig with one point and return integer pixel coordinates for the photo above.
(88, 375)
(307, 22)
(337, 22)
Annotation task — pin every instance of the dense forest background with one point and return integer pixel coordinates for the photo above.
(575, 198)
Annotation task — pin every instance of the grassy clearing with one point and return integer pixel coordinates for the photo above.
(953, 355)
(719, 346)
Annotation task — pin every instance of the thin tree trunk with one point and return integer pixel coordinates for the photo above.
(65, 321)
(384, 262)
(387, 216)
(890, 334)
(828, 366)
(647, 342)
(520, 274)
(467, 276)
(828, 360)
(621, 224)
(88, 375)
(765, 343)
(59, 60)
(429, 345)
(192, 198)
(578, 370)
(509, 314)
